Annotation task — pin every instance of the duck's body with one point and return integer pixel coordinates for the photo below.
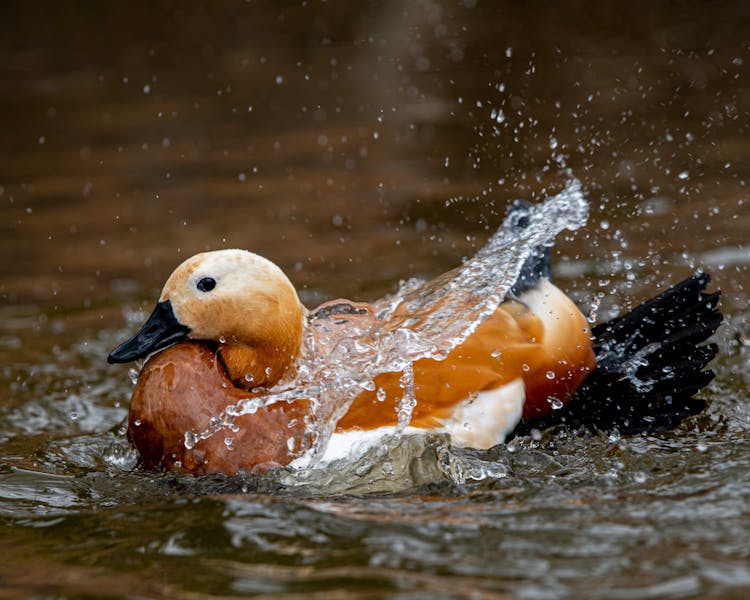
(477, 394)
(229, 325)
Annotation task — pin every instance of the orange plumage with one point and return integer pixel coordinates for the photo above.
(230, 326)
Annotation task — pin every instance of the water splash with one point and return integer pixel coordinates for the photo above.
(401, 463)
(348, 344)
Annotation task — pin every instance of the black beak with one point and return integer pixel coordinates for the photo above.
(161, 330)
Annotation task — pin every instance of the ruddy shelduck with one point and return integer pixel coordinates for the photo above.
(229, 324)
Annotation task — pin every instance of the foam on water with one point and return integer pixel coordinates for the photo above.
(347, 344)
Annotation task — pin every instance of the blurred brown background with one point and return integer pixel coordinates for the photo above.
(329, 136)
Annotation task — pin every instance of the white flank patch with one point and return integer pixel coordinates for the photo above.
(482, 421)
(486, 418)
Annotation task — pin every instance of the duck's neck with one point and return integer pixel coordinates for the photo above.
(263, 362)
(255, 366)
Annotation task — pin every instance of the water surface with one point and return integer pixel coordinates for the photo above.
(357, 146)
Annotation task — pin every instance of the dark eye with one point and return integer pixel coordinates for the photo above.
(206, 284)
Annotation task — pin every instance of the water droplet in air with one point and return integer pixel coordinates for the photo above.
(556, 404)
(550, 375)
(229, 442)
(137, 422)
(191, 440)
(683, 175)
(380, 395)
(497, 115)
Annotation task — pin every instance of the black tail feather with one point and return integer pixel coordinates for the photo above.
(650, 364)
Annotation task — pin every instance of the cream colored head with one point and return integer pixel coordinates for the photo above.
(235, 296)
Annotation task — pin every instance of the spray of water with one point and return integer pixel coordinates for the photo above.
(346, 344)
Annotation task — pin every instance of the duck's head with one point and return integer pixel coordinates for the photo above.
(236, 298)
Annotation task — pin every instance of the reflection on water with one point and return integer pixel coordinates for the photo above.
(356, 146)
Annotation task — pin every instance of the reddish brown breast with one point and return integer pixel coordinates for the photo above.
(179, 390)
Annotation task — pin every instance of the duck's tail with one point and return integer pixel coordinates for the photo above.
(650, 364)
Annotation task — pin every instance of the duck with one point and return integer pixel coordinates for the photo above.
(229, 328)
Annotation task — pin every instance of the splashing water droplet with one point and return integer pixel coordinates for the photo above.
(405, 406)
(594, 310)
(191, 439)
(550, 375)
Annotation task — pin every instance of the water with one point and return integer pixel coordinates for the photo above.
(356, 147)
